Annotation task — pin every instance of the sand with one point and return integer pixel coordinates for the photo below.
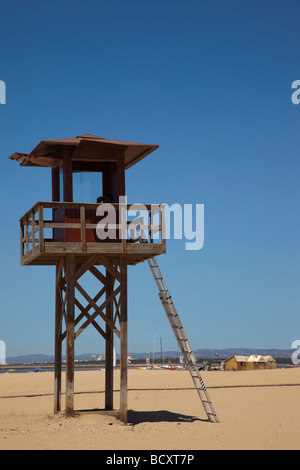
(257, 410)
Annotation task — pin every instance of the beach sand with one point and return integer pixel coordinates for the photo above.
(257, 410)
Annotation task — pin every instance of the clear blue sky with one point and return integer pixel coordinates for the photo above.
(210, 83)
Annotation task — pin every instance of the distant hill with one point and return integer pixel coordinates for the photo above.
(243, 352)
(224, 353)
(30, 358)
(200, 353)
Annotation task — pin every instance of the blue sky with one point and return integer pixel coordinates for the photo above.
(210, 83)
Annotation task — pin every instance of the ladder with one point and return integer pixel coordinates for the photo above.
(183, 342)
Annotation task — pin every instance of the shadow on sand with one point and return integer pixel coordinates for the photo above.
(139, 417)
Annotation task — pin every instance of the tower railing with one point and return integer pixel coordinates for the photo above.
(58, 228)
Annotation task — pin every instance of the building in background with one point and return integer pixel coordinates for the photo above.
(253, 362)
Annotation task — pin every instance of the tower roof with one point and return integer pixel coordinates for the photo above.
(87, 147)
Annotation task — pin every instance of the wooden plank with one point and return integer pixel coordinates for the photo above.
(106, 263)
(62, 247)
(88, 205)
(98, 274)
(104, 248)
(88, 264)
(62, 225)
(146, 248)
(75, 247)
(67, 205)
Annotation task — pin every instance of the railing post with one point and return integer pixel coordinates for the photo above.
(83, 228)
(41, 228)
(22, 240)
(32, 230)
(27, 234)
(151, 217)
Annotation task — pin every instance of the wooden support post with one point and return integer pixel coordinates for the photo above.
(70, 339)
(57, 344)
(123, 340)
(109, 345)
(55, 184)
(68, 175)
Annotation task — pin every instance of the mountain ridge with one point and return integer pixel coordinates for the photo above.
(199, 353)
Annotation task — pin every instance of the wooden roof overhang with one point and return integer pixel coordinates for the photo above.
(85, 148)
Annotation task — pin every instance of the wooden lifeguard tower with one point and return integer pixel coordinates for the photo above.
(64, 233)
